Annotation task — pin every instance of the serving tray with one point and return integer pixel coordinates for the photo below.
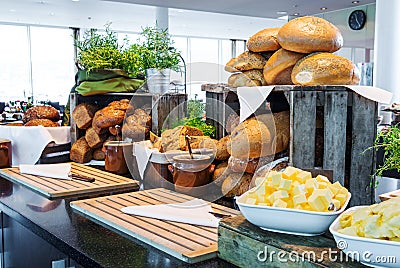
(56, 188)
(187, 242)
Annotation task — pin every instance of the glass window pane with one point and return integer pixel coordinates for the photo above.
(14, 67)
(52, 63)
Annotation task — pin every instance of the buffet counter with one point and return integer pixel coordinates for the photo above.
(38, 231)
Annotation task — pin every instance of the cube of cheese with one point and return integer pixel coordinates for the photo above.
(311, 185)
(285, 184)
(335, 187)
(343, 190)
(264, 204)
(321, 178)
(299, 199)
(279, 203)
(342, 199)
(322, 185)
(290, 173)
(252, 194)
(280, 194)
(319, 200)
(269, 188)
(259, 180)
(303, 176)
(268, 176)
(299, 189)
(276, 179)
(251, 201)
(336, 203)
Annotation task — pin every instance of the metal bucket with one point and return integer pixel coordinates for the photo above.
(158, 80)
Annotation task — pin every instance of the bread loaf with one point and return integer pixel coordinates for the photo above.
(41, 122)
(99, 155)
(241, 166)
(236, 184)
(325, 69)
(222, 148)
(174, 139)
(246, 61)
(264, 40)
(310, 34)
(221, 171)
(108, 117)
(232, 122)
(94, 139)
(278, 69)
(41, 112)
(83, 115)
(81, 151)
(250, 139)
(247, 79)
(137, 125)
(282, 131)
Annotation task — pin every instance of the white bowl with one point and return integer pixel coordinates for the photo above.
(288, 220)
(369, 251)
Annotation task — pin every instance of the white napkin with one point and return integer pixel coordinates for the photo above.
(250, 98)
(55, 171)
(195, 211)
(143, 155)
(28, 142)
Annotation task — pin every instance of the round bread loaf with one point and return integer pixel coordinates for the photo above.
(310, 34)
(278, 69)
(41, 122)
(41, 112)
(250, 139)
(325, 69)
(221, 171)
(264, 40)
(236, 184)
(222, 149)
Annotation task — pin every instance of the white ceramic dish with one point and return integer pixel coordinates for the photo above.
(369, 251)
(288, 220)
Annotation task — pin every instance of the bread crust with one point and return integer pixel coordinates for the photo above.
(310, 34)
(245, 62)
(41, 122)
(249, 78)
(41, 112)
(325, 69)
(264, 40)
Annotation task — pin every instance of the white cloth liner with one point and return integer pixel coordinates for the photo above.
(195, 212)
(28, 143)
(250, 98)
(142, 154)
(55, 171)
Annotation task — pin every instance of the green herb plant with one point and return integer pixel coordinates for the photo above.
(389, 141)
(196, 111)
(156, 49)
(102, 51)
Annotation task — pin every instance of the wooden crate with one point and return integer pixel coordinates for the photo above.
(246, 245)
(160, 107)
(330, 128)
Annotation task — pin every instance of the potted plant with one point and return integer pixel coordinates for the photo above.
(158, 57)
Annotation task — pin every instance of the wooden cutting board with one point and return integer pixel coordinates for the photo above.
(56, 188)
(187, 242)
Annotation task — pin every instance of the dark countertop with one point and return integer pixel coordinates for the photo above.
(88, 243)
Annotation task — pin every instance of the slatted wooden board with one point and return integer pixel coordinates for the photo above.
(190, 243)
(55, 188)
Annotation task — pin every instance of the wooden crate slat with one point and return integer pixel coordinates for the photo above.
(335, 117)
(187, 242)
(56, 188)
(362, 160)
(303, 136)
(98, 173)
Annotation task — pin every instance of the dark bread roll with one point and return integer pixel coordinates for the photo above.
(108, 117)
(99, 155)
(41, 112)
(310, 34)
(236, 184)
(83, 115)
(222, 149)
(264, 40)
(81, 151)
(240, 165)
(278, 69)
(325, 69)
(41, 122)
(94, 139)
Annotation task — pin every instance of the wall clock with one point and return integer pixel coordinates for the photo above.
(357, 19)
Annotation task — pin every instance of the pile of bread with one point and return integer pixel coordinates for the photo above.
(300, 53)
(237, 156)
(119, 119)
(46, 116)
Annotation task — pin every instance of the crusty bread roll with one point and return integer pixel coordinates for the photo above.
(221, 171)
(250, 139)
(99, 155)
(81, 151)
(174, 139)
(325, 69)
(236, 184)
(41, 112)
(249, 78)
(94, 139)
(278, 69)
(222, 148)
(246, 61)
(239, 165)
(282, 131)
(310, 34)
(41, 122)
(264, 40)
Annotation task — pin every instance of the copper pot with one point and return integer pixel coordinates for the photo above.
(5, 153)
(188, 173)
(117, 154)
